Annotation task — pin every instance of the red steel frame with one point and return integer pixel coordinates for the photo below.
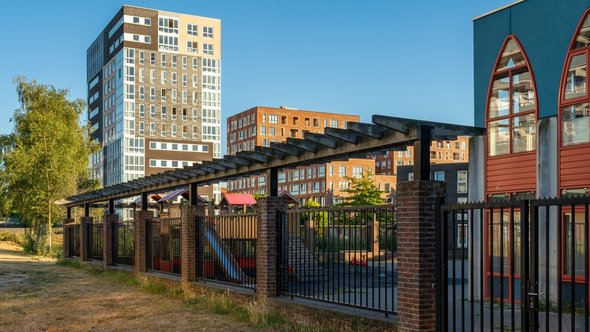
(564, 276)
(562, 103)
(509, 239)
(509, 72)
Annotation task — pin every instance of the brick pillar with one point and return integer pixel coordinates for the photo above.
(201, 211)
(66, 237)
(416, 236)
(140, 230)
(188, 254)
(267, 278)
(109, 221)
(85, 224)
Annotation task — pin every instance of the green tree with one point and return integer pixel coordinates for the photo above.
(45, 158)
(362, 191)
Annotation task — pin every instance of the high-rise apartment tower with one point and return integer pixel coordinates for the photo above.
(154, 93)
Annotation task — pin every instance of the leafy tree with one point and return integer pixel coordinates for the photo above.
(45, 158)
(362, 191)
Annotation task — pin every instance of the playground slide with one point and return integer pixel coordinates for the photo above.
(233, 271)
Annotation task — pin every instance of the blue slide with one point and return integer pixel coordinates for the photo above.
(223, 256)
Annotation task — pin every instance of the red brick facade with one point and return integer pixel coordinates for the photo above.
(416, 232)
(266, 246)
(141, 219)
(107, 239)
(85, 223)
(188, 215)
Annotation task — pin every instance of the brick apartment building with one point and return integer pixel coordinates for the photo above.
(441, 152)
(323, 183)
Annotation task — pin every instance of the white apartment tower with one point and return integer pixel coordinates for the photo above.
(154, 93)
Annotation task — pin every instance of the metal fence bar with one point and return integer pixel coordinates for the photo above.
(230, 248)
(95, 243)
(343, 255)
(164, 250)
(123, 244)
(512, 261)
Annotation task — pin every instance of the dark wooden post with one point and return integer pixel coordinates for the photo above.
(422, 154)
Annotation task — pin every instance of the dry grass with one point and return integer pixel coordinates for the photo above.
(36, 294)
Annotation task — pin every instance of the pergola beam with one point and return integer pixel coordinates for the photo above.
(386, 133)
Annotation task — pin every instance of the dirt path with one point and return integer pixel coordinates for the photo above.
(36, 294)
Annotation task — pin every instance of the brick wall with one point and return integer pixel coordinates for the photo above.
(107, 238)
(188, 214)
(85, 223)
(267, 246)
(66, 239)
(141, 219)
(416, 232)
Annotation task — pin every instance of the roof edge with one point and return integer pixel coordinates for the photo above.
(497, 10)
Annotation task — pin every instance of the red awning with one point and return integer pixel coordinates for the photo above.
(238, 199)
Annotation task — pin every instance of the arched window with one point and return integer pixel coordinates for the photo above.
(574, 110)
(512, 107)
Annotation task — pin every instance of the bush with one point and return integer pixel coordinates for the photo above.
(14, 238)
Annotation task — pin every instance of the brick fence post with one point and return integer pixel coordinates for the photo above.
(140, 237)
(107, 238)
(416, 235)
(267, 278)
(188, 253)
(66, 237)
(85, 224)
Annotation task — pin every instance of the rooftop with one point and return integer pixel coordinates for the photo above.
(498, 9)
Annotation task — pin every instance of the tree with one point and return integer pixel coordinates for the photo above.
(362, 191)
(45, 158)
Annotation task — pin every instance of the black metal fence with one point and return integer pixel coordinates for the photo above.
(123, 243)
(230, 248)
(95, 240)
(164, 245)
(72, 232)
(343, 255)
(527, 268)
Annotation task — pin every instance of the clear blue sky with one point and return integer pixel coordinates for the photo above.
(404, 58)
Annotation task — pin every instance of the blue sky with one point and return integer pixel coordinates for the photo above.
(403, 58)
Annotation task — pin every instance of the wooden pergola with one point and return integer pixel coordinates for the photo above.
(358, 139)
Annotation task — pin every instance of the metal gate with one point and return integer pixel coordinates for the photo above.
(514, 265)
(340, 255)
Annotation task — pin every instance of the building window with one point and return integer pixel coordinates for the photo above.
(439, 176)
(208, 32)
(322, 171)
(342, 171)
(575, 113)
(461, 182)
(208, 49)
(512, 107)
(273, 118)
(192, 29)
(192, 46)
(168, 25)
(357, 172)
